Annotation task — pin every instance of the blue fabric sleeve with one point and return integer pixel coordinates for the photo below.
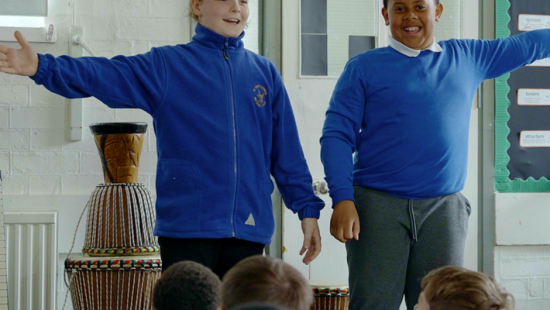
(497, 57)
(340, 131)
(288, 164)
(121, 82)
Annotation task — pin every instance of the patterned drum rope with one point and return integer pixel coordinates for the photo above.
(120, 221)
(92, 283)
(330, 298)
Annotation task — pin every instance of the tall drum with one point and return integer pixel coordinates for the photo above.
(120, 212)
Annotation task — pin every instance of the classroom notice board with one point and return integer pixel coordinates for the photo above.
(522, 111)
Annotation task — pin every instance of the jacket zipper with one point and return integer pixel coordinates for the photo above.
(234, 133)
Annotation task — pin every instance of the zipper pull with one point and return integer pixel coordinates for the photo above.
(224, 50)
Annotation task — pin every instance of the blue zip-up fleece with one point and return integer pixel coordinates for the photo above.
(223, 123)
(407, 118)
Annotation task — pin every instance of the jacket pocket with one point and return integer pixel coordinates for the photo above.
(178, 195)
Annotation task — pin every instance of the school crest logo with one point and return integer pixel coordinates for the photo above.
(260, 95)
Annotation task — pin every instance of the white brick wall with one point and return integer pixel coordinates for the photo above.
(35, 156)
(525, 272)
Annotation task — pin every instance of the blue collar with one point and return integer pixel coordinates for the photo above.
(209, 38)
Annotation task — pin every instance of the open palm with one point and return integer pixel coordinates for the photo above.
(23, 61)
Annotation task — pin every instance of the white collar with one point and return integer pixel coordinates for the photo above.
(407, 51)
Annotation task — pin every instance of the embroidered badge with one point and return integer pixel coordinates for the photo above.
(260, 95)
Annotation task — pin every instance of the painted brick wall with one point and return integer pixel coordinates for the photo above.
(525, 272)
(35, 156)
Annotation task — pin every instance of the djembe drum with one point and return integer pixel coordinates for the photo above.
(120, 212)
(119, 228)
(114, 283)
(329, 295)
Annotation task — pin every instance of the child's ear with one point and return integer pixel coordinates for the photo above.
(438, 12)
(196, 5)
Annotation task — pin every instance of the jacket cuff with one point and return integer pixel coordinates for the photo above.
(42, 69)
(309, 212)
(342, 194)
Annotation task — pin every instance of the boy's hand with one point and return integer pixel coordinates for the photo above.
(344, 223)
(312, 240)
(23, 61)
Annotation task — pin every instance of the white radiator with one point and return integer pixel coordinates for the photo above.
(31, 259)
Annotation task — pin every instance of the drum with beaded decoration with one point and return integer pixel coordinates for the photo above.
(113, 283)
(329, 295)
(121, 214)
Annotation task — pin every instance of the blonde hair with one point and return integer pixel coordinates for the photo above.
(266, 279)
(191, 13)
(457, 288)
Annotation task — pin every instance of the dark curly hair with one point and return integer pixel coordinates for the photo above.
(386, 3)
(187, 286)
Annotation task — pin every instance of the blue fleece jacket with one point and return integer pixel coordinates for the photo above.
(223, 123)
(407, 118)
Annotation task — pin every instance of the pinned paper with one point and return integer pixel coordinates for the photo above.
(534, 138)
(532, 96)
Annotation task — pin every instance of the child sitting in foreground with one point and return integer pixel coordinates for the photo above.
(187, 286)
(265, 280)
(456, 288)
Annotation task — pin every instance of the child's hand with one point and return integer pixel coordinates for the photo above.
(312, 240)
(344, 223)
(23, 61)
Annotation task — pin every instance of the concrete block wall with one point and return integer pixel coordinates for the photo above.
(525, 272)
(36, 158)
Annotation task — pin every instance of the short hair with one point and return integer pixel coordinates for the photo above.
(259, 306)
(457, 288)
(187, 286)
(191, 13)
(266, 279)
(386, 3)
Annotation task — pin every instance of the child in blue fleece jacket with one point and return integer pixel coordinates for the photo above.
(403, 111)
(223, 123)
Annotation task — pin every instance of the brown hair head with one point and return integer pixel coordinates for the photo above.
(386, 3)
(187, 286)
(457, 288)
(266, 279)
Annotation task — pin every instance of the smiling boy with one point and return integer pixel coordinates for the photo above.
(403, 111)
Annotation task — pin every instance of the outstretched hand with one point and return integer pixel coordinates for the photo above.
(312, 240)
(23, 61)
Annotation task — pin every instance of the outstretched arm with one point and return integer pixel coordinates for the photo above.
(23, 61)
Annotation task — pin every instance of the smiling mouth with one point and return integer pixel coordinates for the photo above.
(412, 29)
(232, 21)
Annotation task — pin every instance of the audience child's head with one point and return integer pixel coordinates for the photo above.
(412, 22)
(258, 306)
(187, 286)
(266, 280)
(456, 288)
(227, 18)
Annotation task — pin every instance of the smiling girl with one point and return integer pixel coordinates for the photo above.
(403, 111)
(223, 124)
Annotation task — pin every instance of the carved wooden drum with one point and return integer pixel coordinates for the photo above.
(121, 214)
(329, 295)
(113, 283)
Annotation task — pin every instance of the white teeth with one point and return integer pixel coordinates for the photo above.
(233, 20)
(412, 28)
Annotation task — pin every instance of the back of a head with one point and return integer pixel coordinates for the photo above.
(187, 286)
(258, 306)
(266, 280)
(456, 288)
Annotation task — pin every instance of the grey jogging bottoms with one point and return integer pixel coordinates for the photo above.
(400, 241)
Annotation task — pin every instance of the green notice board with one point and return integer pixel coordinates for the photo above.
(522, 112)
